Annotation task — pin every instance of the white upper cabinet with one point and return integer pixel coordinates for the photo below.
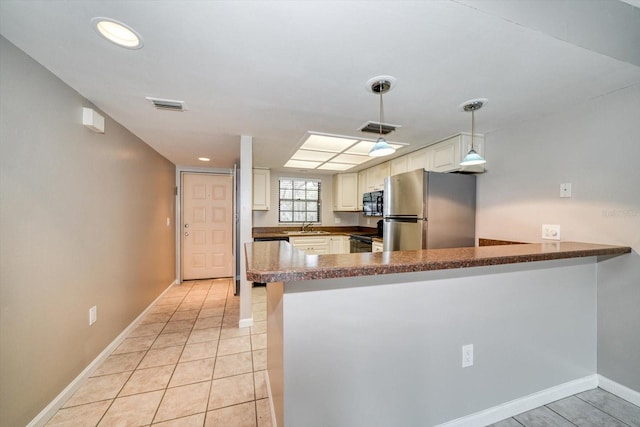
(418, 160)
(345, 192)
(261, 189)
(445, 156)
(362, 187)
(376, 176)
(398, 165)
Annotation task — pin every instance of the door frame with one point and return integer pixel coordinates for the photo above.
(180, 171)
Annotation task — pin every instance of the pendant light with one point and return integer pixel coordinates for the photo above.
(381, 147)
(473, 158)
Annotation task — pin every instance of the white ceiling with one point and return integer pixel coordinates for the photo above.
(277, 69)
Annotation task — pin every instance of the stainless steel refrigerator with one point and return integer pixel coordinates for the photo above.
(429, 210)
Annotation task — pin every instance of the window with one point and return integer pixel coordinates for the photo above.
(299, 200)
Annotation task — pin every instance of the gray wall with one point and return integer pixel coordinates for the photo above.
(390, 352)
(83, 222)
(595, 147)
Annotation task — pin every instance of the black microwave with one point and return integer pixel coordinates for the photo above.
(372, 203)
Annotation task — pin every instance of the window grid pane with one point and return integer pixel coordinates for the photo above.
(299, 200)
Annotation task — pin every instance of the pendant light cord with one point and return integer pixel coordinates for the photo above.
(381, 89)
(472, 126)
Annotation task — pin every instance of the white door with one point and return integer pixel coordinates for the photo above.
(207, 226)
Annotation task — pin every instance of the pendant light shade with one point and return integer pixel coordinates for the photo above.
(381, 147)
(473, 158)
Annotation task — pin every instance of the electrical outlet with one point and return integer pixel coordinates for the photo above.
(467, 355)
(337, 220)
(551, 231)
(93, 315)
(565, 190)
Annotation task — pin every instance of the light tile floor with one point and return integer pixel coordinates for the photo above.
(186, 364)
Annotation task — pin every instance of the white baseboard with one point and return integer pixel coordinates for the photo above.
(274, 421)
(523, 404)
(245, 323)
(50, 410)
(619, 390)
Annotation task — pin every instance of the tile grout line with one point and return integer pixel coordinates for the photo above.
(136, 368)
(603, 410)
(164, 392)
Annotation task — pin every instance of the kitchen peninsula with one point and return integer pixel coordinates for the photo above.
(374, 339)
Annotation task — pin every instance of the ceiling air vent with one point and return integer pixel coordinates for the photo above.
(374, 127)
(167, 104)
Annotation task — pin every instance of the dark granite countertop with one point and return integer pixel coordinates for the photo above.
(266, 232)
(281, 262)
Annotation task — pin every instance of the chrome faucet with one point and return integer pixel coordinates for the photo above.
(305, 226)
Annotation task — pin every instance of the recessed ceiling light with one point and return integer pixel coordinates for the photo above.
(204, 159)
(117, 32)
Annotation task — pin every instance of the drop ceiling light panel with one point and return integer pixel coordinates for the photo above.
(319, 156)
(335, 166)
(326, 143)
(352, 159)
(302, 164)
(332, 152)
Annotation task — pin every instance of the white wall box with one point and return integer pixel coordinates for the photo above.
(376, 247)
(92, 120)
(446, 155)
(311, 245)
(261, 189)
(345, 192)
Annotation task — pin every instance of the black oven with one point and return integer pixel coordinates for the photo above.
(372, 203)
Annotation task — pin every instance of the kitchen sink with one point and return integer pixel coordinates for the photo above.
(305, 232)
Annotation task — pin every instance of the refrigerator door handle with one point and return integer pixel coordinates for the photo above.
(403, 219)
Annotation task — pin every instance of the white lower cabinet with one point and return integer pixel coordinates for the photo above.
(339, 244)
(376, 247)
(319, 245)
(311, 245)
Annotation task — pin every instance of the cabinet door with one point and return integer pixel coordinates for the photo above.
(337, 244)
(362, 187)
(376, 176)
(445, 155)
(417, 160)
(398, 165)
(261, 186)
(311, 245)
(345, 192)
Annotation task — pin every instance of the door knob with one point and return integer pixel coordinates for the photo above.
(186, 226)
(186, 233)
